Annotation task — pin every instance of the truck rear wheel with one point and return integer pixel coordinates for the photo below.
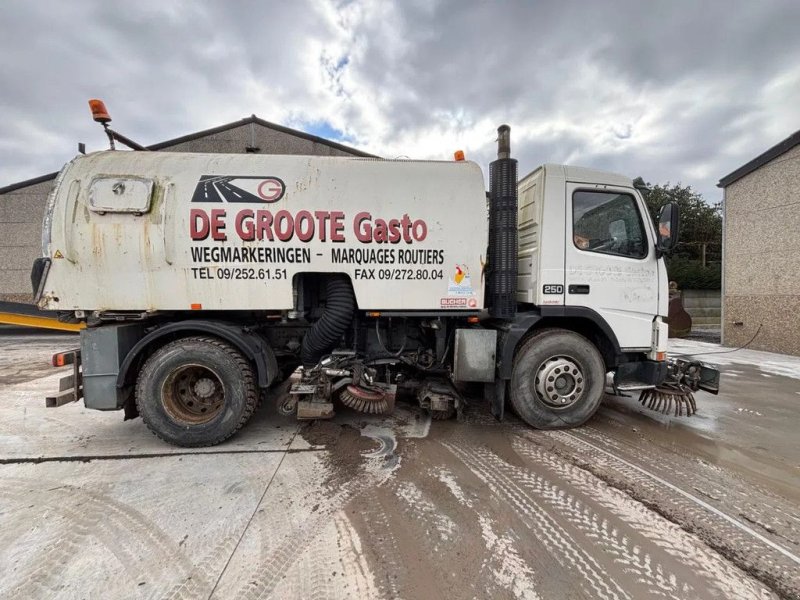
(558, 380)
(196, 391)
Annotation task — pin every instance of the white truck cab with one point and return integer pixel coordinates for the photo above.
(586, 241)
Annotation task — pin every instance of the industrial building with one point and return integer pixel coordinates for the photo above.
(761, 251)
(22, 204)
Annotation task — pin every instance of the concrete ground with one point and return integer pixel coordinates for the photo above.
(633, 505)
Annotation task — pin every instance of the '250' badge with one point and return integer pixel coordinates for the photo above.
(552, 288)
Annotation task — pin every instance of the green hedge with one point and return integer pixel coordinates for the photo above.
(692, 275)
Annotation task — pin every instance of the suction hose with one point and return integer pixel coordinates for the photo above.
(323, 335)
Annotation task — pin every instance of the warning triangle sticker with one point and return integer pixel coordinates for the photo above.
(58, 254)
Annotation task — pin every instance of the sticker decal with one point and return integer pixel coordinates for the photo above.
(453, 303)
(239, 188)
(552, 288)
(460, 282)
(58, 254)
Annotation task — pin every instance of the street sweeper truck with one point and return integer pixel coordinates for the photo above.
(206, 279)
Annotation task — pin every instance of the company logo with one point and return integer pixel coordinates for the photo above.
(453, 303)
(239, 188)
(460, 282)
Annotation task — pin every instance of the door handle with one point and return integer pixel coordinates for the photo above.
(579, 289)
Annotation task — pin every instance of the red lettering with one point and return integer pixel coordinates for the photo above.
(245, 228)
(264, 225)
(304, 226)
(271, 189)
(218, 224)
(419, 230)
(363, 227)
(394, 231)
(199, 226)
(284, 225)
(337, 226)
(405, 223)
(322, 221)
(380, 234)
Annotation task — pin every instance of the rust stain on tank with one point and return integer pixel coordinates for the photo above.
(157, 200)
(97, 240)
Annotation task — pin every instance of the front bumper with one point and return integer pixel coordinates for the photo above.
(640, 375)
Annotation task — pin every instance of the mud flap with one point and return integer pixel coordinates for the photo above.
(495, 393)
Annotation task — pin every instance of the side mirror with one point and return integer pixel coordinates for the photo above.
(669, 221)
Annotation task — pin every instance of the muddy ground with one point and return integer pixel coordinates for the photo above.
(633, 505)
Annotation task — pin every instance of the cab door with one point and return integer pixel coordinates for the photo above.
(610, 260)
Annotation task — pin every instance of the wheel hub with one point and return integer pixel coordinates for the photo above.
(560, 382)
(193, 394)
(204, 387)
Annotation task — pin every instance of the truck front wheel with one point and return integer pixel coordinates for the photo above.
(557, 380)
(196, 391)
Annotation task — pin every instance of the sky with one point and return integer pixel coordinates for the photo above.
(673, 91)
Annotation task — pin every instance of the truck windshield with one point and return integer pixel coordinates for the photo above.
(607, 222)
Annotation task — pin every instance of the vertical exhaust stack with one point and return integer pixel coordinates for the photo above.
(502, 275)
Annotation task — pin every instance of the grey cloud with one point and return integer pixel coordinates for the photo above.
(660, 89)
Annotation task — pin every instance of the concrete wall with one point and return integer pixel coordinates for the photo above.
(21, 211)
(761, 257)
(704, 306)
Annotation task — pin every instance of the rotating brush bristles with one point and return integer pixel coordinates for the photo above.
(667, 398)
(443, 415)
(364, 400)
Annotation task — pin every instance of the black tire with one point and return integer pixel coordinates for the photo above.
(557, 357)
(196, 391)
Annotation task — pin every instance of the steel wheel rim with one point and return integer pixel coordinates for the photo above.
(193, 394)
(560, 382)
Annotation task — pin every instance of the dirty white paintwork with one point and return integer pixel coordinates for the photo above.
(123, 251)
(623, 290)
(628, 293)
(123, 260)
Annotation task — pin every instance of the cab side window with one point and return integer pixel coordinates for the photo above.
(608, 223)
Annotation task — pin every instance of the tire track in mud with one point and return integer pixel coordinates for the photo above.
(385, 549)
(445, 476)
(556, 540)
(507, 567)
(292, 539)
(142, 549)
(757, 559)
(200, 580)
(353, 559)
(751, 501)
(332, 567)
(610, 537)
(421, 508)
(504, 563)
(651, 464)
(419, 543)
(695, 556)
(310, 490)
